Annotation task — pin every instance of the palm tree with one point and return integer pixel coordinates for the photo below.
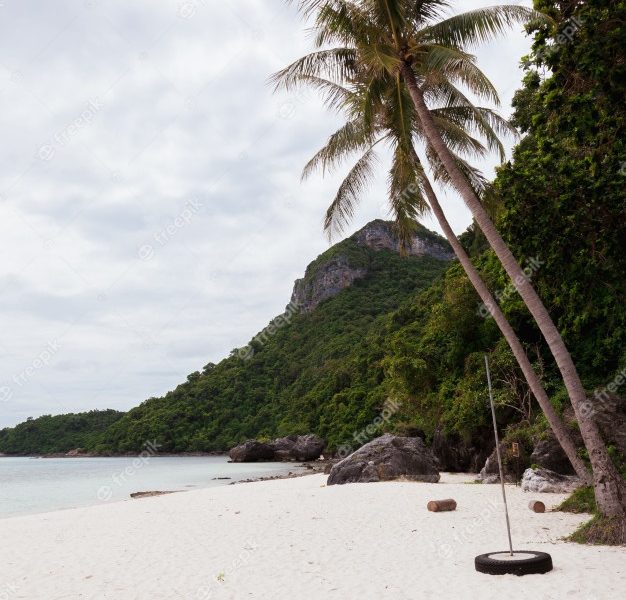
(409, 41)
(390, 118)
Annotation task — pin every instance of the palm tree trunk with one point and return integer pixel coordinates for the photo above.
(609, 487)
(561, 432)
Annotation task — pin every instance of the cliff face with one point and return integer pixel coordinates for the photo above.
(380, 235)
(340, 266)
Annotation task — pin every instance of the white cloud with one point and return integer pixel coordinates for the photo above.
(115, 116)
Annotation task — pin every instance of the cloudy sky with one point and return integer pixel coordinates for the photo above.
(151, 212)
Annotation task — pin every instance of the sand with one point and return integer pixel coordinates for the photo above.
(297, 539)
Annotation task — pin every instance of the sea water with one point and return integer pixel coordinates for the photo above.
(35, 485)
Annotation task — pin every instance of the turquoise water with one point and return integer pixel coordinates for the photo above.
(35, 485)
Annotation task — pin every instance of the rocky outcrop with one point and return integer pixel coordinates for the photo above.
(331, 273)
(609, 412)
(490, 473)
(548, 454)
(336, 275)
(298, 447)
(290, 448)
(251, 451)
(459, 456)
(544, 480)
(387, 458)
(380, 235)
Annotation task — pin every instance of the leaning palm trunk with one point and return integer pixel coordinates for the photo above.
(561, 433)
(609, 487)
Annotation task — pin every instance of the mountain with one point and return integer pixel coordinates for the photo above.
(315, 368)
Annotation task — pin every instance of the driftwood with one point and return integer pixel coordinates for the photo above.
(537, 506)
(441, 505)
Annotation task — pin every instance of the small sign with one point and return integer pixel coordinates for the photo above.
(515, 449)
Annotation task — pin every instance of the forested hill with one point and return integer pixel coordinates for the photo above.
(315, 368)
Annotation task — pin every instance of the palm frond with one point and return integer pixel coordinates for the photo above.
(335, 64)
(341, 210)
(479, 26)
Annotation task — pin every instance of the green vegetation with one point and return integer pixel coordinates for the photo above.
(60, 433)
(322, 372)
(581, 500)
(608, 531)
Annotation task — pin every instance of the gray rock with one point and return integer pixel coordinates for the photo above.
(251, 451)
(292, 447)
(544, 480)
(380, 235)
(298, 447)
(549, 455)
(490, 473)
(387, 458)
(338, 272)
(456, 455)
(609, 412)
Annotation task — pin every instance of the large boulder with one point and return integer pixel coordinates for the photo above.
(292, 447)
(251, 451)
(544, 480)
(490, 473)
(386, 458)
(549, 455)
(298, 447)
(455, 454)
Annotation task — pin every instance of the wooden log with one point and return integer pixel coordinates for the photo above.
(441, 505)
(537, 506)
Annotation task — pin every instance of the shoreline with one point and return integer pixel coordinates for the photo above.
(300, 538)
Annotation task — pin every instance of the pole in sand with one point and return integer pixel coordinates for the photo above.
(495, 431)
(522, 562)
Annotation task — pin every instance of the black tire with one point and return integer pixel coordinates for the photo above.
(536, 562)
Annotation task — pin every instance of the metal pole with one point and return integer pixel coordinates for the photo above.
(495, 430)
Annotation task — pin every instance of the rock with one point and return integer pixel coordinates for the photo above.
(548, 454)
(75, 452)
(251, 451)
(150, 494)
(330, 274)
(329, 465)
(544, 480)
(490, 473)
(609, 412)
(298, 447)
(387, 458)
(381, 235)
(458, 456)
(290, 448)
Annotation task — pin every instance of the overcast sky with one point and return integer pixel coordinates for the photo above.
(151, 212)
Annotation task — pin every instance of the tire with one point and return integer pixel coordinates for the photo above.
(533, 562)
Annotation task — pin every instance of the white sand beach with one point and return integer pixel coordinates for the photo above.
(297, 538)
